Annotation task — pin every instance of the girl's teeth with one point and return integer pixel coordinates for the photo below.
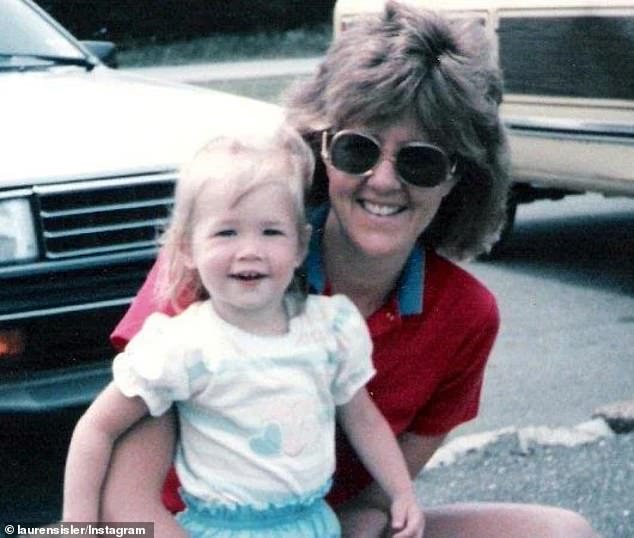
(247, 276)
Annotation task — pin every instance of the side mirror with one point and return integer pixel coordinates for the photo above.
(106, 51)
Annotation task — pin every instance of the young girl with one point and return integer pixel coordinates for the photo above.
(256, 369)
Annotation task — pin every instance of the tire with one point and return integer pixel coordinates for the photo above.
(498, 249)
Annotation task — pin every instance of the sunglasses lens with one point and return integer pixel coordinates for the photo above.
(353, 153)
(422, 166)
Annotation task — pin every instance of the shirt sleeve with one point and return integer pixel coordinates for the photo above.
(145, 303)
(153, 366)
(457, 400)
(354, 350)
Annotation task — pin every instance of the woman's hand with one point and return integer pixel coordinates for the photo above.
(408, 520)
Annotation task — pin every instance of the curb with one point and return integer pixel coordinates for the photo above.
(619, 415)
(528, 437)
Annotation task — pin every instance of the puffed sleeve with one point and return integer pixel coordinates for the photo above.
(353, 354)
(154, 366)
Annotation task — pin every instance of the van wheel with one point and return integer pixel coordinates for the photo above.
(497, 251)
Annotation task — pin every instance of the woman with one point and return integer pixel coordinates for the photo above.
(404, 114)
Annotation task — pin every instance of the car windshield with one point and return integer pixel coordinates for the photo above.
(27, 38)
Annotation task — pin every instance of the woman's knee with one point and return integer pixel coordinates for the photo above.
(569, 523)
(489, 520)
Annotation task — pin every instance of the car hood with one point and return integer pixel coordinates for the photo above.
(70, 124)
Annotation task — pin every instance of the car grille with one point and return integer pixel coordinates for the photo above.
(103, 216)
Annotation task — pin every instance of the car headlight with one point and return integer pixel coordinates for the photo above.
(17, 232)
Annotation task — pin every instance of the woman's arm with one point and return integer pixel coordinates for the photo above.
(140, 462)
(143, 456)
(372, 438)
(90, 451)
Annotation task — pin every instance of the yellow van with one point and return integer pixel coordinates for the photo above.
(568, 69)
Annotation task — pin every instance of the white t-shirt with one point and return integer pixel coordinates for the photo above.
(256, 413)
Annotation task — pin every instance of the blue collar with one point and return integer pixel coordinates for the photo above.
(410, 285)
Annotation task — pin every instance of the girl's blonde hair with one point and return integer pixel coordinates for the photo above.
(246, 161)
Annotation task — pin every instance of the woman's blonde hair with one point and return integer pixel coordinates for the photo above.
(246, 161)
(406, 61)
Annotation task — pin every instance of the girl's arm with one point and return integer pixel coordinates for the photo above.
(417, 451)
(374, 441)
(367, 513)
(109, 416)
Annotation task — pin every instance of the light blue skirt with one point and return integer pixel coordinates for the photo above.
(204, 520)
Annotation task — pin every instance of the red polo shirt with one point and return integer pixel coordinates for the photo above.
(429, 364)
(431, 341)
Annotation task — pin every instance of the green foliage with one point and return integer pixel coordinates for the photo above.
(168, 20)
(297, 43)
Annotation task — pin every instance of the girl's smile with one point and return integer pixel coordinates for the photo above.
(245, 257)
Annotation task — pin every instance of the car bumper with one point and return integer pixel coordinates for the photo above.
(64, 319)
(54, 390)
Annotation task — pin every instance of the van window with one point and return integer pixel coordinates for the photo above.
(572, 56)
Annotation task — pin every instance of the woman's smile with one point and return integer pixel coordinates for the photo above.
(378, 214)
(380, 209)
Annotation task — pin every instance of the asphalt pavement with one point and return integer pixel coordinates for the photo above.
(587, 468)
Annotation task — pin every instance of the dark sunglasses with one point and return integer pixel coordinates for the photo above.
(416, 163)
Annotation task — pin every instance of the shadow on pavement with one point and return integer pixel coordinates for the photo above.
(591, 250)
